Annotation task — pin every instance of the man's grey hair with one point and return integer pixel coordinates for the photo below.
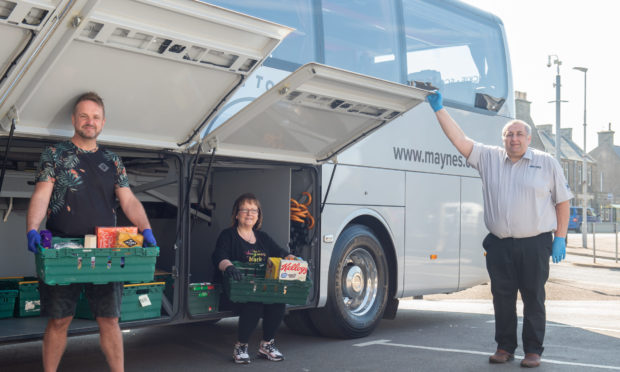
(528, 128)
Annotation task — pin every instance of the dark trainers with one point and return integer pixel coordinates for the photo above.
(240, 354)
(270, 351)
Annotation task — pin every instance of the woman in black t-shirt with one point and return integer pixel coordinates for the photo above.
(244, 242)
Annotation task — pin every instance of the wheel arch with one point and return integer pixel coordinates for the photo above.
(380, 229)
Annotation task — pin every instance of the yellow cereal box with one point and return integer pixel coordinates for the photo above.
(273, 268)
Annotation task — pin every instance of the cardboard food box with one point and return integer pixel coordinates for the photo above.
(278, 268)
(273, 268)
(106, 236)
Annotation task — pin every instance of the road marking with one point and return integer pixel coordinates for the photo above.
(615, 330)
(462, 351)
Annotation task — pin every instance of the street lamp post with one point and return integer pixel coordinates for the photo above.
(558, 102)
(584, 178)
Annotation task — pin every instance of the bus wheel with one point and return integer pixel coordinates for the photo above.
(358, 286)
(299, 322)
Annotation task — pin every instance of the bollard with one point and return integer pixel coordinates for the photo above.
(593, 242)
(616, 229)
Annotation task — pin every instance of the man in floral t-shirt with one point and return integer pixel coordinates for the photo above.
(76, 189)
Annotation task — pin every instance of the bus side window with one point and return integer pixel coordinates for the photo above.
(468, 54)
(361, 36)
(299, 46)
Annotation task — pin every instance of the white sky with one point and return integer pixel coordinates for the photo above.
(580, 33)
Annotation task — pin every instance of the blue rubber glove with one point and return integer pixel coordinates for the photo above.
(149, 239)
(34, 240)
(436, 100)
(558, 250)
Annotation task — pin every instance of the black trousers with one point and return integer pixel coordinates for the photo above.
(251, 312)
(519, 265)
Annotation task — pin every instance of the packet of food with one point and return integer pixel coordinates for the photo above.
(273, 268)
(107, 236)
(128, 240)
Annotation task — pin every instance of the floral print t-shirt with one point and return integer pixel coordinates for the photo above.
(84, 182)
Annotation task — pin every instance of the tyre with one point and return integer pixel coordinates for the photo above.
(357, 288)
(299, 322)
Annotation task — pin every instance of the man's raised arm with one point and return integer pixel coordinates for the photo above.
(452, 130)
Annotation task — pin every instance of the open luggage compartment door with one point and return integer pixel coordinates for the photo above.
(312, 115)
(164, 68)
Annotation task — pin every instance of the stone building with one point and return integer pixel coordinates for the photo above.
(572, 159)
(571, 154)
(522, 112)
(606, 182)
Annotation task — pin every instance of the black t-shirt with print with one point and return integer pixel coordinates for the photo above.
(231, 246)
(84, 182)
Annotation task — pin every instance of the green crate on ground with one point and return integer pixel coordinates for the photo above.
(8, 295)
(96, 265)
(28, 302)
(253, 287)
(7, 302)
(140, 301)
(204, 298)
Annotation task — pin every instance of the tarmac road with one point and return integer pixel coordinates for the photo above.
(451, 332)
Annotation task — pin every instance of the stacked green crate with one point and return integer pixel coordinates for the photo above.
(8, 295)
(253, 287)
(204, 298)
(140, 301)
(29, 302)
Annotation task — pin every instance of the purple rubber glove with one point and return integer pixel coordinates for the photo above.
(34, 240)
(149, 239)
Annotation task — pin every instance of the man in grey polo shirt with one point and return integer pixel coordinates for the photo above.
(526, 210)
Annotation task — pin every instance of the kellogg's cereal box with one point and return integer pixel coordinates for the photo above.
(293, 270)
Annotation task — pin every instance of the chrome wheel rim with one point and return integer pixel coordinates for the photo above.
(359, 282)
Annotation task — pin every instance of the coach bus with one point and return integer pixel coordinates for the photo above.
(292, 99)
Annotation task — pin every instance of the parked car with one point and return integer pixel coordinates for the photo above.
(574, 222)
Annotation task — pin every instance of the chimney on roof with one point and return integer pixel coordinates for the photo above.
(606, 138)
(567, 133)
(545, 128)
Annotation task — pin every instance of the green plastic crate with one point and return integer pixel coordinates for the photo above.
(204, 298)
(96, 265)
(28, 302)
(133, 304)
(8, 295)
(7, 302)
(163, 276)
(253, 287)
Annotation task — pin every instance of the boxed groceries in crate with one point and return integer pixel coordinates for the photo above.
(66, 261)
(255, 287)
(140, 301)
(204, 298)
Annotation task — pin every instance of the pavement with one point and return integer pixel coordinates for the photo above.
(602, 249)
(577, 278)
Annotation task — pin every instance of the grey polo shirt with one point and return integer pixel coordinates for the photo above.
(519, 198)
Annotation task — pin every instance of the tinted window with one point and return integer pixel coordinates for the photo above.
(459, 55)
(360, 36)
(298, 47)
